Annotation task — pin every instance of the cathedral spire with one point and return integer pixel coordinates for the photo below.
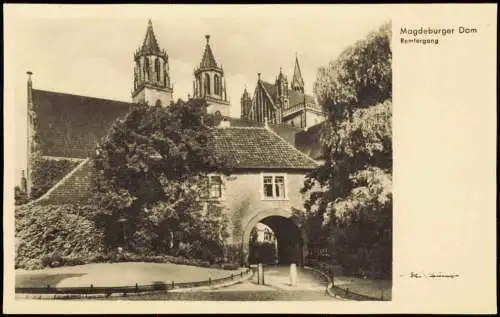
(208, 59)
(150, 44)
(297, 81)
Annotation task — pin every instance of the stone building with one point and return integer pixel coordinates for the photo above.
(280, 103)
(268, 168)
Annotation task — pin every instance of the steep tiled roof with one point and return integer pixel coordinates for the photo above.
(309, 142)
(71, 125)
(259, 148)
(286, 131)
(150, 45)
(208, 59)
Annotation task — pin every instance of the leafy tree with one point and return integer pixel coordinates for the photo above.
(147, 178)
(350, 200)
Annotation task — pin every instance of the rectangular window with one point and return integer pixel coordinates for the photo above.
(274, 186)
(212, 186)
(215, 187)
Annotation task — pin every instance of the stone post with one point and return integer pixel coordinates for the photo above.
(293, 274)
(260, 274)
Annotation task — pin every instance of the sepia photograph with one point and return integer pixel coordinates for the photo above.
(229, 153)
(181, 188)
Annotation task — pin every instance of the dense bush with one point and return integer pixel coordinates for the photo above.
(53, 235)
(47, 172)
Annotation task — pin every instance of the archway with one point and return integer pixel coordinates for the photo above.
(291, 240)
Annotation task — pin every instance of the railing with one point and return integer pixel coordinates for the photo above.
(346, 292)
(124, 290)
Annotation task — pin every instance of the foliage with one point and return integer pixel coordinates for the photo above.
(55, 233)
(47, 172)
(262, 252)
(350, 201)
(147, 183)
(20, 196)
(361, 76)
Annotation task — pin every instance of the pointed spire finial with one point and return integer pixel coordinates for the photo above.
(207, 37)
(258, 75)
(150, 24)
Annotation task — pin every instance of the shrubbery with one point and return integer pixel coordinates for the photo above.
(54, 235)
(47, 172)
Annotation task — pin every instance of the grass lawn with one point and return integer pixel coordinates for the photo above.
(116, 274)
(372, 288)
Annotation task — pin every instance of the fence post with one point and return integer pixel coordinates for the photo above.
(231, 275)
(136, 287)
(381, 294)
(172, 284)
(346, 291)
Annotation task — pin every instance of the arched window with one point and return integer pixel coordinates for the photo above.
(157, 69)
(207, 84)
(146, 68)
(216, 84)
(158, 103)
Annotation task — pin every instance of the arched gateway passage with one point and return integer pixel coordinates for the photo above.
(291, 239)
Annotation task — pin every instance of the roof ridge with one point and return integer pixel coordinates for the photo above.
(293, 147)
(83, 96)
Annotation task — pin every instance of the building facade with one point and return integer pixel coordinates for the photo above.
(281, 103)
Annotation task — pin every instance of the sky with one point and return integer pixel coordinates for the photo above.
(88, 50)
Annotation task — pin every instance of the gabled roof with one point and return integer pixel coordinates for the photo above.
(258, 148)
(208, 59)
(150, 45)
(71, 125)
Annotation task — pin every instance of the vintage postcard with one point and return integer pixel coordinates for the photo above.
(304, 158)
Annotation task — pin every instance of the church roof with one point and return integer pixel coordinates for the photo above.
(258, 148)
(208, 59)
(150, 45)
(71, 125)
(297, 75)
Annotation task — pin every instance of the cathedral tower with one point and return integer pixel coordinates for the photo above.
(281, 85)
(151, 73)
(209, 83)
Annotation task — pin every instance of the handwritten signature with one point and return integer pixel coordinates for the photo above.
(433, 275)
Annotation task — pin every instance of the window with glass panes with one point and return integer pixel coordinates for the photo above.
(274, 186)
(212, 186)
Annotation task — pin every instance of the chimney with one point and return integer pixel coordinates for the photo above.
(225, 123)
